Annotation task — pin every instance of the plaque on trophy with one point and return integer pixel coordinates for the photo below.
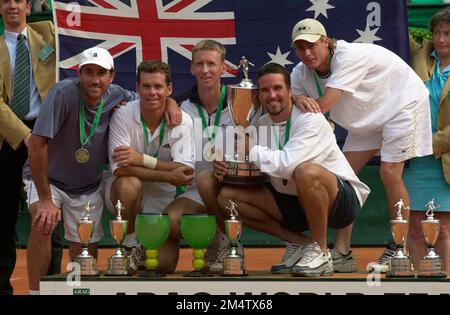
(118, 263)
(431, 265)
(233, 263)
(400, 264)
(85, 229)
(243, 104)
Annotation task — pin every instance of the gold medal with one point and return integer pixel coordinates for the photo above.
(211, 153)
(333, 127)
(82, 155)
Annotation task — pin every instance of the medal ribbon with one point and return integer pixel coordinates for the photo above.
(161, 134)
(218, 115)
(286, 135)
(319, 89)
(82, 116)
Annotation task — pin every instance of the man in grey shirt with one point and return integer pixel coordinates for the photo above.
(67, 151)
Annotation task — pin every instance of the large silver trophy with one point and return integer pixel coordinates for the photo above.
(431, 265)
(243, 104)
(118, 263)
(85, 229)
(233, 263)
(399, 264)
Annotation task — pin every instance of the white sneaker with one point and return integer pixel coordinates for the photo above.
(137, 257)
(292, 255)
(314, 263)
(215, 253)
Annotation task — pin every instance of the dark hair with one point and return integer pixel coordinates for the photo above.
(154, 66)
(440, 16)
(273, 67)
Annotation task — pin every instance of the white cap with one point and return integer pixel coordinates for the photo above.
(97, 56)
(308, 29)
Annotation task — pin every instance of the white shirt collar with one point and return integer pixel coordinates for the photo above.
(12, 36)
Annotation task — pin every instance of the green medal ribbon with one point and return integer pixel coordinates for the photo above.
(161, 134)
(84, 140)
(218, 115)
(286, 135)
(319, 89)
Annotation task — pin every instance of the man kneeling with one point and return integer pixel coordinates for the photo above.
(312, 186)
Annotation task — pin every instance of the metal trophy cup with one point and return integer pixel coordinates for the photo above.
(431, 265)
(118, 263)
(399, 264)
(85, 229)
(233, 263)
(243, 103)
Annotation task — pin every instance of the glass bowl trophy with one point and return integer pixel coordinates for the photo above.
(198, 230)
(233, 263)
(118, 263)
(152, 230)
(399, 265)
(243, 104)
(85, 229)
(431, 265)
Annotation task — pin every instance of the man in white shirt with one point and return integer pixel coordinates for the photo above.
(312, 186)
(372, 93)
(148, 159)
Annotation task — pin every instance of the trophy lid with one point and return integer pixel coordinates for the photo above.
(246, 82)
(232, 207)
(400, 206)
(87, 209)
(119, 208)
(430, 212)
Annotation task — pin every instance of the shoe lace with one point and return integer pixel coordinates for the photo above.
(290, 249)
(312, 251)
(387, 254)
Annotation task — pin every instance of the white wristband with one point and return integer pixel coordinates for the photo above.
(149, 161)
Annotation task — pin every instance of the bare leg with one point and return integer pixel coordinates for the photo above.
(317, 198)
(443, 243)
(391, 176)
(261, 213)
(169, 252)
(39, 250)
(416, 242)
(208, 188)
(128, 190)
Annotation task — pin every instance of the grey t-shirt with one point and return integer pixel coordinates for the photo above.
(59, 121)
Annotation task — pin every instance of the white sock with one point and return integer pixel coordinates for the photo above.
(34, 292)
(130, 240)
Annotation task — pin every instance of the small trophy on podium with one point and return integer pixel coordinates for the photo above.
(431, 265)
(399, 264)
(233, 263)
(118, 263)
(85, 229)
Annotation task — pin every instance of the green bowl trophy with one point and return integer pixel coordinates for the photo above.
(198, 230)
(233, 263)
(119, 263)
(243, 104)
(399, 265)
(85, 229)
(152, 231)
(431, 265)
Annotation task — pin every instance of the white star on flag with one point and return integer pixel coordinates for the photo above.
(320, 7)
(367, 36)
(280, 58)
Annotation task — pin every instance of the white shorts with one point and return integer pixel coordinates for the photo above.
(148, 203)
(72, 209)
(406, 135)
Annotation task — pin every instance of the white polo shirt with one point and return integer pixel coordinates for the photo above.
(311, 140)
(377, 84)
(177, 146)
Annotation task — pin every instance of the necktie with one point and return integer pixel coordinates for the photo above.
(20, 102)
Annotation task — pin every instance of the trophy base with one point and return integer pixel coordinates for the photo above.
(198, 273)
(88, 266)
(118, 266)
(243, 173)
(233, 266)
(400, 268)
(431, 268)
(149, 273)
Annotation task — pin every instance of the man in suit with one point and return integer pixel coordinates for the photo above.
(39, 39)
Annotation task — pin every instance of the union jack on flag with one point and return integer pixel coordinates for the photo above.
(136, 30)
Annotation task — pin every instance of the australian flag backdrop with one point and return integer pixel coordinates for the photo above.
(166, 30)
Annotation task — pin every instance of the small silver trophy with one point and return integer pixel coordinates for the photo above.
(243, 104)
(399, 264)
(118, 263)
(431, 265)
(85, 229)
(233, 263)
